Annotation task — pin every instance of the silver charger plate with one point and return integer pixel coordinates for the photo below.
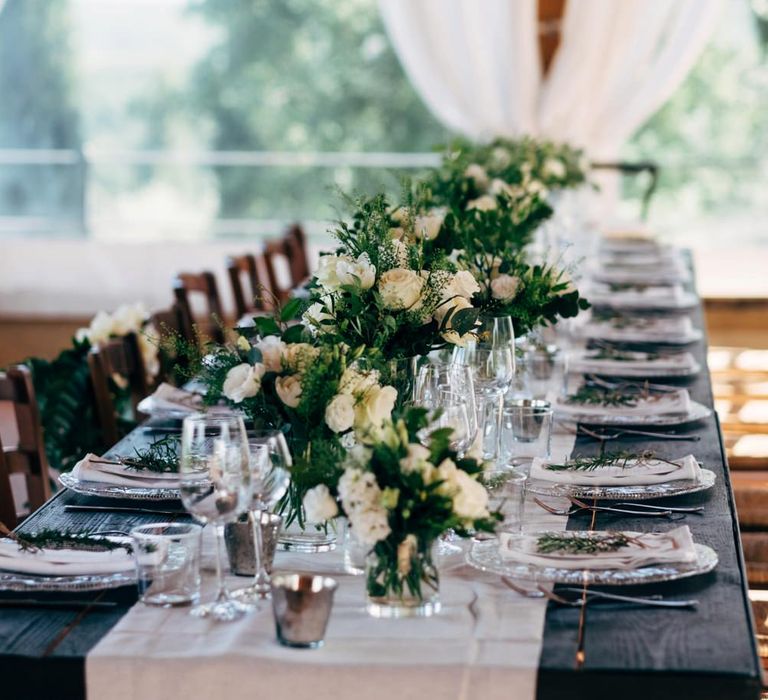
(636, 492)
(638, 338)
(96, 488)
(13, 581)
(641, 373)
(685, 301)
(697, 412)
(485, 556)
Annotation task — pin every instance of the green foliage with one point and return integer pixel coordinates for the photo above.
(582, 543)
(67, 410)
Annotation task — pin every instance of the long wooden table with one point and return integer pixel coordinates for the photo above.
(708, 653)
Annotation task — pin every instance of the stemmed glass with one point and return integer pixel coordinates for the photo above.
(438, 376)
(215, 480)
(455, 415)
(270, 461)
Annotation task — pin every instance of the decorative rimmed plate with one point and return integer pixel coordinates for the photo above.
(697, 412)
(12, 581)
(484, 555)
(632, 336)
(581, 366)
(616, 301)
(97, 488)
(636, 492)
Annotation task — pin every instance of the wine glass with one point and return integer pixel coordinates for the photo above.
(269, 461)
(215, 480)
(438, 375)
(454, 414)
(496, 332)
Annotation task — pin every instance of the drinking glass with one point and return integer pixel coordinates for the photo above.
(269, 461)
(526, 431)
(441, 375)
(216, 487)
(454, 414)
(506, 494)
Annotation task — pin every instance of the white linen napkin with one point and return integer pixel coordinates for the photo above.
(585, 362)
(170, 399)
(675, 546)
(633, 473)
(105, 471)
(648, 329)
(676, 402)
(65, 561)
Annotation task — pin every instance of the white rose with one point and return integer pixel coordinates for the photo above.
(484, 203)
(243, 381)
(504, 287)
(477, 174)
(360, 271)
(554, 167)
(470, 501)
(326, 271)
(428, 227)
(375, 407)
(463, 284)
(272, 349)
(370, 525)
(100, 328)
(319, 505)
(129, 318)
(400, 288)
(289, 390)
(340, 413)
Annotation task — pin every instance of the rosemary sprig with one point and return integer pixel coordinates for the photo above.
(161, 456)
(50, 538)
(582, 544)
(599, 396)
(624, 460)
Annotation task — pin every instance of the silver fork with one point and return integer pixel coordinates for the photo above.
(601, 509)
(605, 436)
(595, 595)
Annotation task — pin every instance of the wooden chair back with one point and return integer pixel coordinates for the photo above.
(27, 455)
(295, 244)
(273, 252)
(118, 356)
(7, 506)
(187, 285)
(248, 285)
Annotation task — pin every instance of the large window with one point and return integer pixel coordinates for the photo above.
(196, 119)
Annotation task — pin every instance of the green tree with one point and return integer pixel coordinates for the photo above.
(37, 107)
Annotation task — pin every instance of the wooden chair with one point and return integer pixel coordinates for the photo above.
(185, 286)
(250, 292)
(24, 449)
(295, 243)
(7, 506)
(121, 357)
(273, 252)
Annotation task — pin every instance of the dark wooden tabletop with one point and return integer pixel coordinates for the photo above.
(708, 653)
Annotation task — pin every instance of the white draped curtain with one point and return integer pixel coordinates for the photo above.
(476, 64)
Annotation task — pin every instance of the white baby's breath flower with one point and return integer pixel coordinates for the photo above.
(340, 413)
(243, 381)
(319, 505)
(289, 390)
(505, 287)
(400, 288)
(485, 202)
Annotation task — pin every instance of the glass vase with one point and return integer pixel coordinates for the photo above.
(402, 579)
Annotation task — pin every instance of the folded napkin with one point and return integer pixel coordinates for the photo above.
(633, 472)
(661, 257)
(640, 296)
(641, 330)
(660, 274)
(108, 471)
(674, 402)
(590, 362)
(170, 399)
(66, 561)
(643, 549)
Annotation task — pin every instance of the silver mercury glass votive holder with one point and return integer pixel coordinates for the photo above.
(241, 551)
(302, 606)
(526, 417)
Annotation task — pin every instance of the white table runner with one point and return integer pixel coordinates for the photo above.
(484, 644)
